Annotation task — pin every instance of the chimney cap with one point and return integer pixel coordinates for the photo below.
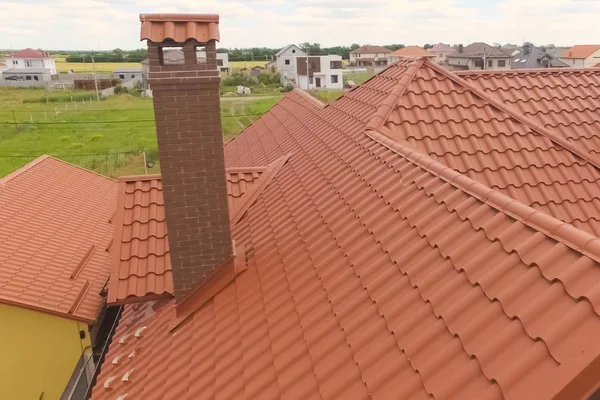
(179, 28)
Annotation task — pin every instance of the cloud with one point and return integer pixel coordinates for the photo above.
(76, 24)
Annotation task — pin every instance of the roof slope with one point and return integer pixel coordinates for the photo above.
(442, 48)
(479, 49)
(580, 51)
(141, 263)
(565, 101)
(367, 278)
(533, 60)
(30, 53)
(412, 51)
(55, 231)
(370, 49)
(455, 123)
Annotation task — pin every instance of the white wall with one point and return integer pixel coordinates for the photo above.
(326, 75)
(592, 60)
(574, 62)
(32, 63)
(286, 63)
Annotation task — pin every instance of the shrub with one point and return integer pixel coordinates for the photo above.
(97, 137)
(120, 89)
(269, 79)
(238, 79)
(63, 138)
(76, 146)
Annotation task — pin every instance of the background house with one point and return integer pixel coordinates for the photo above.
(56, 230)
(479, 55)
(128, 74)
(286, 64)
(532, 57)
(442, 51)
(409, 52)
(28, 77)
(30, 58)
(222, 60)
(370, 56)
(320, 72)
(256, 71)
(582, 56)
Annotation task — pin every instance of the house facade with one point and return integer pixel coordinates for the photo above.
(285, 60)
(370, 56)
(409, 52)
(581, 56)
(442, 51)
(320, 72)
(128, 74)
(30, 58)
(26, 77)
(479, 56)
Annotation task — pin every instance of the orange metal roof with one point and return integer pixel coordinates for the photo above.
(412, 51)
(55, 232)
(30, 53)
(565, 102)
(580, 51)
(141, 264)
(373, 271)
(179, 28)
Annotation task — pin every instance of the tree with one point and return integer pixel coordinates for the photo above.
(313, 49)
(496, 44)
(427, 46)
(354, 46)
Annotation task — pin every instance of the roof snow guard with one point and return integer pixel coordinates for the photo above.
(180, 27)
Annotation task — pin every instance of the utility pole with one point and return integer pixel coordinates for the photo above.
(83, 56)
(95, 78)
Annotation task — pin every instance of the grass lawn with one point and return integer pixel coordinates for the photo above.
(358, 77)
(107, 137)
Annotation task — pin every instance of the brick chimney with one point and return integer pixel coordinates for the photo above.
(190, 143)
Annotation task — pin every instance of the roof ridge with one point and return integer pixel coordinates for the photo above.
(575, 238)
(84, 169)
(4, 180)
(387, 106)
(525, 71)
(563, 142)
(308, 97)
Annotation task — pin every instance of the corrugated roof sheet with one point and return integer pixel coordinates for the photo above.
(141, 264)
(580, 51)
(373, 272)
(55, 230)
(179, 28)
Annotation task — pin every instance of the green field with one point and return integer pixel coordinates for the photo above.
(108, 137)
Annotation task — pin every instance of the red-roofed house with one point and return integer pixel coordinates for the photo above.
(581, 56)
(55, 234)
(413, 241)
(30, 58)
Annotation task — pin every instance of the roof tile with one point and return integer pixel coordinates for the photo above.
(54, 229)
(366, 276)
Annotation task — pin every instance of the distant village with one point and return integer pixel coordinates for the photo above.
(297, 67)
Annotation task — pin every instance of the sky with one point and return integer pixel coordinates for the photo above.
(108, 24)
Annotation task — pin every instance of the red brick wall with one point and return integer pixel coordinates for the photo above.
(190, 143)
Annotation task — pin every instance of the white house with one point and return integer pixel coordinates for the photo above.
(127, 74)
(30, 58)
(582, 56)
(320, 72)
(286, 62)
(222, 60)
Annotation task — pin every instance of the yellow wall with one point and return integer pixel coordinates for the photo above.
(38, 353)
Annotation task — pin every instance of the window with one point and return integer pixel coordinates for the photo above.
(501, 63)
(293, 50)
(28, 78)
(310, 80)
(479, 63)
(334, 79)
(28, 63)
(335, 65)
(219, 62)
(287, 62)
(490, 63)
(132, 76)
(15, 62)
(121, 76)
(35, 78)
